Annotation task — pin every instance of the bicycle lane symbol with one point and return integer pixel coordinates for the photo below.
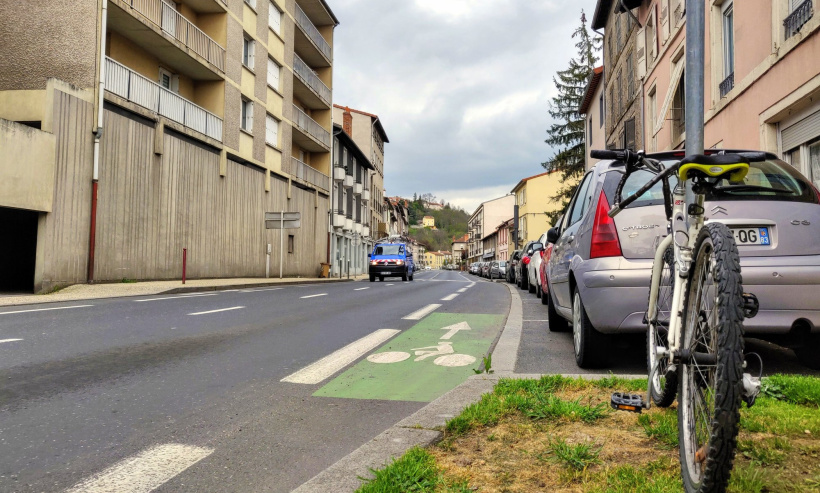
(446, 355)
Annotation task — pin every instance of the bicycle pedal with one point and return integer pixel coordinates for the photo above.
(627, 402)
(750, 305)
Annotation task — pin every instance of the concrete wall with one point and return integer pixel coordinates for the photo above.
(48, 39)
(152, 206)
(26, 167)
(598, 134)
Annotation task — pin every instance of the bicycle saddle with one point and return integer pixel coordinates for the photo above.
(716, 165)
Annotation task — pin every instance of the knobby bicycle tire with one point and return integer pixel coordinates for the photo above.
(664, 385)
(710, 395)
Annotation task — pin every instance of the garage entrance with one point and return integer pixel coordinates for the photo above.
(18, 249)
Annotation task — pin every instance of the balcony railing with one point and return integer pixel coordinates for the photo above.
(309, 125)
(727, 85)
(127, 84)
(309, 77)
(799, 16)
(165, 16)
(303, 21)
(311, 175)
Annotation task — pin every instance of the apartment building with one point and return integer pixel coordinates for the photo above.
(761, 78)
(139, 128)
(593, 109)
(622, 88)
(484, 221)
(533, 196)
(397, 215)
(504, 242)
(350, 233)
(368, 133)
(459, 246)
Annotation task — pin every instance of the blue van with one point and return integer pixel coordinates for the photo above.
(390, 260)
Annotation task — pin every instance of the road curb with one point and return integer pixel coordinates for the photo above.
(195, 289)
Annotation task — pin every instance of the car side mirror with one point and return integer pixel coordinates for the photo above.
(368, 256)
(537, 247)
(553, 235)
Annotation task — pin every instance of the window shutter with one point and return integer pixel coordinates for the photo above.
(272, 130)
(801, 132)
(274, 18)
(250, 116)
(273, 73)
(641, 50)
(175, 83)
(251, 49)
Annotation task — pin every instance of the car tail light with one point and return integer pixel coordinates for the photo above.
(604, 241)
(525, 261)
(818, 192)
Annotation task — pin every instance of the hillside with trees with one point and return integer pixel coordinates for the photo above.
(450, 222)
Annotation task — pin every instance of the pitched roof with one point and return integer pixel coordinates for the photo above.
(524, 180)
(592, 86)
(461, 239)
(378, 122)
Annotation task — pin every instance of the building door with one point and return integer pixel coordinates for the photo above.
(18, 250)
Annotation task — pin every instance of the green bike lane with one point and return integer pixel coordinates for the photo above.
(433, 356)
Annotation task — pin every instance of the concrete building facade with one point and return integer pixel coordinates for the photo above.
(484, 221)
(594, 111)
(174, 126)
(533, 196)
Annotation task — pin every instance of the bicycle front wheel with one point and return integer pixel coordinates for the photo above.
(664, 378)
(712, 368)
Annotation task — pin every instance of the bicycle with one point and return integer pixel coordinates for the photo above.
(695, 338)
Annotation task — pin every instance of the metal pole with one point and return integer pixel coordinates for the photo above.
(693, 82)
(281, 242)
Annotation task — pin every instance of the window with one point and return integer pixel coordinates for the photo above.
(629, 134)
(619, 97)
(590, 130)
(601, 110)
(271, 130)
(290, 243)
(728, 39)
(578, 204)
(679, 109)
(630, 78)
(274, 70)
(275, 18)
(252, 3)
(246, 117)
(248, 47)
(168, 80)
(653, 115)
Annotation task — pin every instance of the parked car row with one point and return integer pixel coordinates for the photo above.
(491, 270)
(593, 271)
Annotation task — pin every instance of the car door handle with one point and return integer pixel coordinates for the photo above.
(571, 239)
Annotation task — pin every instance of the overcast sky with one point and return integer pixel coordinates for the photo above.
(461, 87)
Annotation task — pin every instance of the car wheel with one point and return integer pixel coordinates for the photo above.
(530, 286)
(587, 342)
(555, 322)
(809, 353)
(372, 278)
(544, 295)
(381, 278)
(404, 278)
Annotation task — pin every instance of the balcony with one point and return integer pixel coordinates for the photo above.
(338, 173)
(338, 219)
(309, 174)
(357, 189)
(366, 230)
(309, 135)
(309, 42)
(365, 195)
(799, 16)
(157, 27)
(348, 181)
(727, 85)
(308, 87)
(129, 85)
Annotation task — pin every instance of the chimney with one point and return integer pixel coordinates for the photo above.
(347, 122)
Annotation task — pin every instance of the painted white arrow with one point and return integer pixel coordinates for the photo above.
(453, 329)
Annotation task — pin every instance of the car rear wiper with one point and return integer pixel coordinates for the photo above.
(753, 188)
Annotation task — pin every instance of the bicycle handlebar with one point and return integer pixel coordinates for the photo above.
(604, 154)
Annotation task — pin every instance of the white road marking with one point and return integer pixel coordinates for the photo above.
(260, 289)
(419, 314)
(450, 297)
(462, 290)
(145, 471)
(9, 340)
(228, 290)
(313, 295)
(453, 329)
(45, 309)
(535, 320)
(389, 284)
(360, 289)
(220, 310)
(330, 364)
(175, 297)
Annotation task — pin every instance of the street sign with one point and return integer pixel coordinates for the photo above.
(277, 224)
(283, 220)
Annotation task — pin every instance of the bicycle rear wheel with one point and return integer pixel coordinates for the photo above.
(664, 379)
(711, 378)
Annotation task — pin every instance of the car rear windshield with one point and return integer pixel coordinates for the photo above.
(389, 250)
(502, 263)
(766, 180)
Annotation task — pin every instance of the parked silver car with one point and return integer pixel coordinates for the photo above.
(498, 269)
(599, 268)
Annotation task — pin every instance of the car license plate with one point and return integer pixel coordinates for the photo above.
(751, 236)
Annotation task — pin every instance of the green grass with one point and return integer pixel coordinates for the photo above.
(660, 476)
(552, 407)
(577, 456)
(769, 452)
(796, 389)
(780, 418)
(662, 426)
(415, 471)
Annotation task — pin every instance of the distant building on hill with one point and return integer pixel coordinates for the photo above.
(428, 222)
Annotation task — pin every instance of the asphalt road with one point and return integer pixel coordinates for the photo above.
(185, 392)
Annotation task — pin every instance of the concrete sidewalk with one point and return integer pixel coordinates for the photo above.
(119, 289)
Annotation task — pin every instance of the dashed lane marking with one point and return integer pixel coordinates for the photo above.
(360, 289)
(9, 340)
(313, 295)
(145, 471)
(462, 290)
(175, 297)
(330, 364)
(419, 314)
(219, 310)
(46, 309)
(259, 289)
(450, 297)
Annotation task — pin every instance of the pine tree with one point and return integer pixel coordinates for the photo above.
(567, 133)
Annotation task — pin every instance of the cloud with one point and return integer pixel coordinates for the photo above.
(461, 86)
(469, 198)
